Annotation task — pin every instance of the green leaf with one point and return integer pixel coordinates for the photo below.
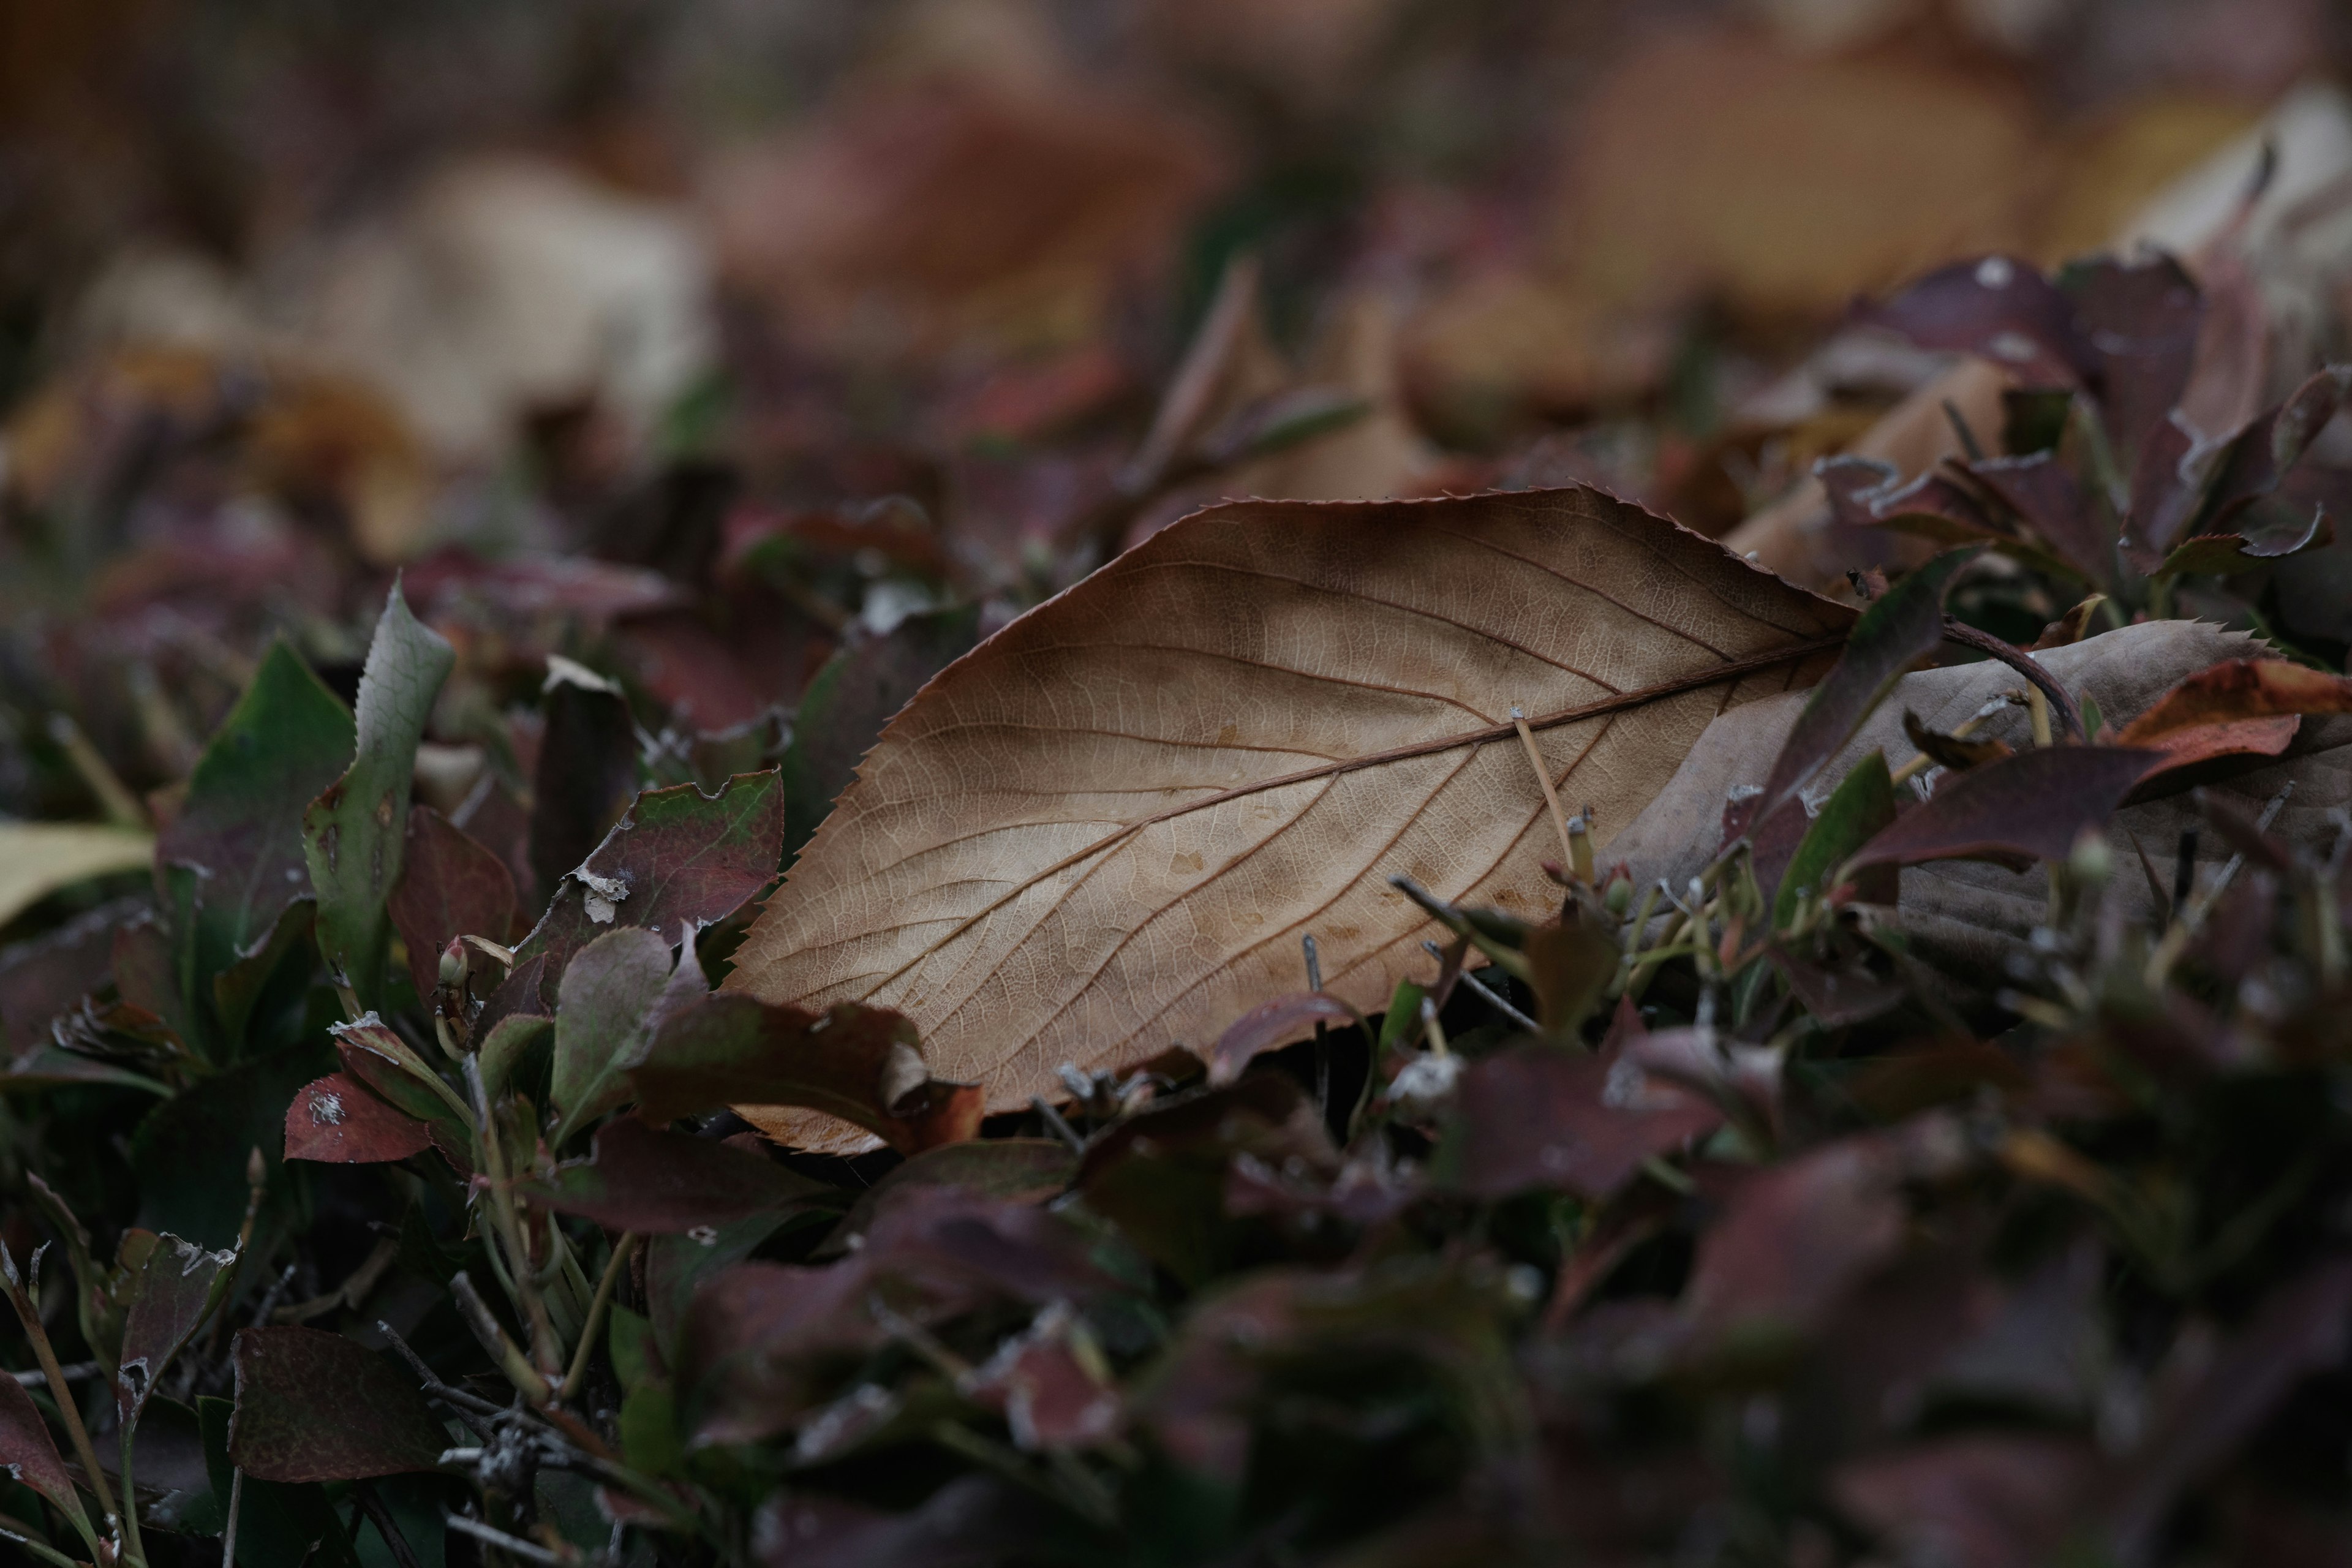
(510, 1040)
(1404, 1016)
(1901, 625)
(353, 834)
(240, 988)
(189, 1152)
(238, 841)
(604, 1015)
(1862, 803)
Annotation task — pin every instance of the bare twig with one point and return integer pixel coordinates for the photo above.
(613, 1266)
(2061, 701)
(528, 1551)
(381, 1517)
(38, 1335)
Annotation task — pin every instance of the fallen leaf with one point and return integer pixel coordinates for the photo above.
(339, 1120)
(2238, 690)
(313, 1406)
(639, 1178)
(355, 833)
(1166, 852)
(45, 858)
(1969, 916)
(450, 887)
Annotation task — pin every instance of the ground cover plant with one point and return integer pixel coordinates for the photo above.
(1082, 910)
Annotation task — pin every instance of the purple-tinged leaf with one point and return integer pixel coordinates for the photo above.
(2142, 318)
(1999, 308)
(173, 1286)
(2053, 502)
(28, 1454)
(603, 1022)
(450, 887)
(1277, 1023)
(52, 972)
(1793, 1239)
(1017, 1170)
(2301, 1327)
(1538, 1118)
(313, 1406)
(1996, 1500)
(862, 1064)
(642, 1179)
(679, 859)
(1052, 1384)
(2028, 807)
(339, 1121)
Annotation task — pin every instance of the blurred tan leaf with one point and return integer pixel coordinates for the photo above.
(924, 215)
(37, 859)
(1106, 828)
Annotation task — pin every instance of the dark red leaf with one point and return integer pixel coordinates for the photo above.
(1992, 1501)
(587, 773)
(2141, 317)
(1051, 1384)
(1272, 1024)
(29, 1454)
(862, 1064)
(314, 1406)
(642, 1179)
(1793, 1239)
(2032, 807)
(168, 1292)
(2048, 495)
(450, 887)
(338, 1120)
(1541, 1118)
(677, 859)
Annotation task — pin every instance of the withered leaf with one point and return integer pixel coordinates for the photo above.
(172, 1287)
(313, 1406)
(1102, 830)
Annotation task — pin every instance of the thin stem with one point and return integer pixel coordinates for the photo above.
(39, 1336)
(2061, 701)
(1543, 780)
(236, 1501)
(604, 1288)
(137, 1548)
(495, 1339)
(547, 1355)
(45, 1553)
(530, 1551)
(381, 1517)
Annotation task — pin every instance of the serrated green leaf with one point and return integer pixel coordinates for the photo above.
(353, 832)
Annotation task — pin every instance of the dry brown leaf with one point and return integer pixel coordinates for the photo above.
(1106, 828)
(1966, 915)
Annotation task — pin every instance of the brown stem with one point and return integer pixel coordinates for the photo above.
(2061, 701)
